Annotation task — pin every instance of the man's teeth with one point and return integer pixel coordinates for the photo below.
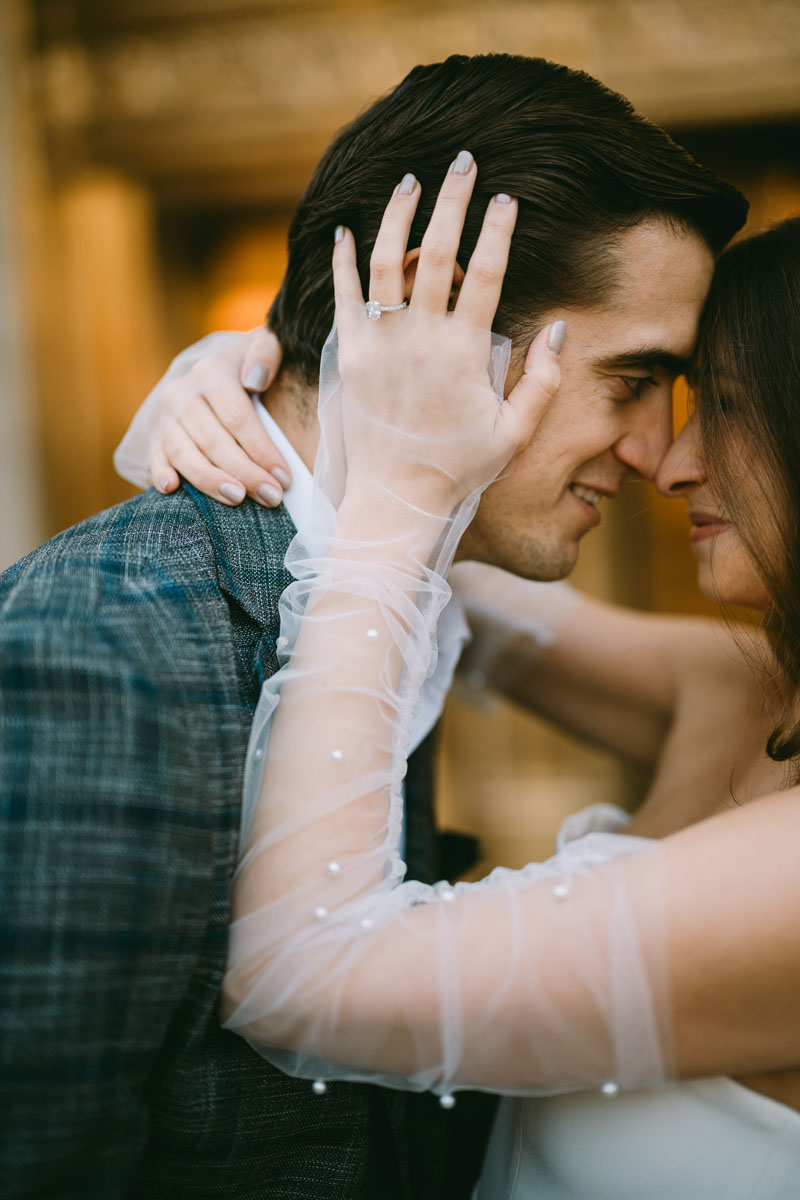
(587, 494)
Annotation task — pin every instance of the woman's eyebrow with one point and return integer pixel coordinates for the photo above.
(646, 356)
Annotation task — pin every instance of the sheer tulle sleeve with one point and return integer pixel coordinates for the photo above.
(544, 979)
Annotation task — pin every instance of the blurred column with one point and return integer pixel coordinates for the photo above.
(109, 335)
(21, 524)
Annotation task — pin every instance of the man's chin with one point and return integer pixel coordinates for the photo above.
(544, 562)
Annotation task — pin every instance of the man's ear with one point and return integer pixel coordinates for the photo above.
(410, 272)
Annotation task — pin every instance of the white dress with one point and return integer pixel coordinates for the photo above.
(709, 1139)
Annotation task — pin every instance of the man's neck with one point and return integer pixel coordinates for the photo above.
(293, 404)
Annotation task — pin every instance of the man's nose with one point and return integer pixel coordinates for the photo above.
(683, 464)
(645, 443)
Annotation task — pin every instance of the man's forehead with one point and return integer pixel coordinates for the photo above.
(656, 249)
(604, 340)
(660, 331)
(650, 314)
(661, 273)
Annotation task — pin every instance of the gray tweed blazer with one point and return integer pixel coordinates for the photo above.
(132, 650)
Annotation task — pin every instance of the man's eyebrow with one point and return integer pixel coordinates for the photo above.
(646, 356)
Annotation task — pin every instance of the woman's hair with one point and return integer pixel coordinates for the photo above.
(582, 163)
(746, 382)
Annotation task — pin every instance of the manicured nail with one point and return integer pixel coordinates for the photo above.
(339, 234)
(257, 378)
(502, 198)
(270, 495)
(407, 185)
(556, 336)
(283, 477)
(463, 163)
(232, 491)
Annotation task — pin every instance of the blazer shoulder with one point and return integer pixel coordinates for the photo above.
(149, 525)
(117, 656)
(150, 543)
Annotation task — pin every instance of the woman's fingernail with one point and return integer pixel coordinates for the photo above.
(407, 185)
(233, 492)
(270, 495)
(257, 378)
(463, 163)
(164, 484)
(339, 234)
(556, 336)
(283, 477)
(502, 198)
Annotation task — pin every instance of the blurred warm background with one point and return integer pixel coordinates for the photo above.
(150, 155)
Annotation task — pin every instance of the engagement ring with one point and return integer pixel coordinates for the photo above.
(375, 309)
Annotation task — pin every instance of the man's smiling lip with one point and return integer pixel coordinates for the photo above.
(602, 492)
(589, 502)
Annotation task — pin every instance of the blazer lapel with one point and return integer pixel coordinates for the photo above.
(250, 544)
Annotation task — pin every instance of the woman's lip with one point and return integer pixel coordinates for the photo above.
(700, 532)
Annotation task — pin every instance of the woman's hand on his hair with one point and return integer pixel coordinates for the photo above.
(420, 415)
(205, 426)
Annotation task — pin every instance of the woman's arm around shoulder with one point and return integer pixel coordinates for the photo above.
(615, 676)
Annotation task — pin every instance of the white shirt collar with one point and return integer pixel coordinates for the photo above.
(299, 498)
(452, 631)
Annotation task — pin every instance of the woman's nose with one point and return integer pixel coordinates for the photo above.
(683, 464)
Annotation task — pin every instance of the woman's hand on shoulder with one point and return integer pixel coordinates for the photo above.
(200, 422)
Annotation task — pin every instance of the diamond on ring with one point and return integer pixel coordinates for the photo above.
(375, 309)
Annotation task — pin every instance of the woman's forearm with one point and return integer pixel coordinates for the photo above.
(361, 636)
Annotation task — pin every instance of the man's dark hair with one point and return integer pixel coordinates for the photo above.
(584, 165)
